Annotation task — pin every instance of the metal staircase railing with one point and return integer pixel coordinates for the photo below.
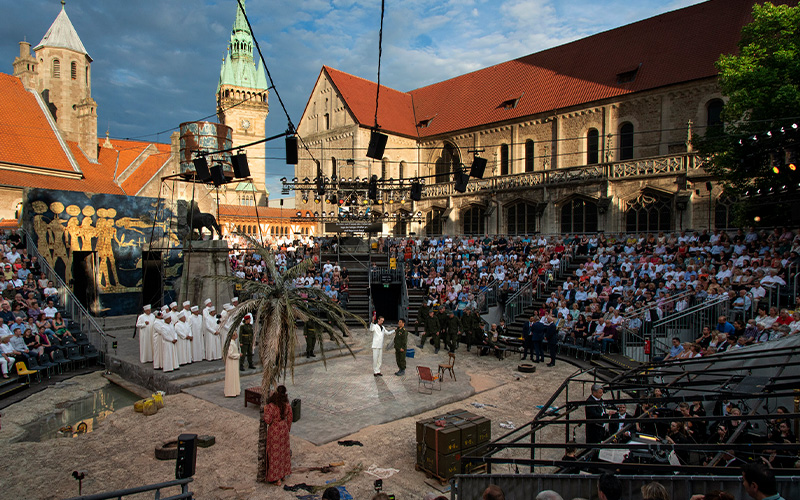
(71, 306)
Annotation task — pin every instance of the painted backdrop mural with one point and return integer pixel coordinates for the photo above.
(98, 244)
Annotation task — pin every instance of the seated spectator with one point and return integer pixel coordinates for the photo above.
(6, 357)
(654, 491)
(61, 329)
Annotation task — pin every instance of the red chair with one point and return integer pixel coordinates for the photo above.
(427, 379)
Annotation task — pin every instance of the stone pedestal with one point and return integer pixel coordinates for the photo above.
(203, 260)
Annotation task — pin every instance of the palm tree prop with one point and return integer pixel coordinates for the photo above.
(276, 306)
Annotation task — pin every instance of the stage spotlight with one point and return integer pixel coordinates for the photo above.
(201, 169)
(291, 150)
(240, 168)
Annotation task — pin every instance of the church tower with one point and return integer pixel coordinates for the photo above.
(62, 75)
(242, 105)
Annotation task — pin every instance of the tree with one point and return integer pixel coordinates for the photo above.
(757, 142)
(276, 305)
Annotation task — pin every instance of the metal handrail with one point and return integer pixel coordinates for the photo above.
(183, 483)
(672, 298)
(487, 297)
(70, 304)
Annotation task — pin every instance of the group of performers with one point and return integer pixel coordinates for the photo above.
(172, 337)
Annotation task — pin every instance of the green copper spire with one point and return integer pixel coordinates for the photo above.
(238, 68)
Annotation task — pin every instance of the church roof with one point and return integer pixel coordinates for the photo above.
(675, 47)
(62, 34)
(34, 154)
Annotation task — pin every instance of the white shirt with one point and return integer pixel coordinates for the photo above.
(50, 312)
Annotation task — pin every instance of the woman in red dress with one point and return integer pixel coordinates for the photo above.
(278, 416)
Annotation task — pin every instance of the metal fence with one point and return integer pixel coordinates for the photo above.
(70, 306)
(679, 487)
(183, 484)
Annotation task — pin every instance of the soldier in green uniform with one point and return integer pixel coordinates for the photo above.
(477, 327)
(422, 313)
(453, 327)
(431, 331)
(400, 340)
(467, 325)
(246, 341)
(310, 332)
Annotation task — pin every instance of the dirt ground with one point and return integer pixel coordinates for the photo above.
(119, 453)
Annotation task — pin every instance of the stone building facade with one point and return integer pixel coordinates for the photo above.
(592, 135)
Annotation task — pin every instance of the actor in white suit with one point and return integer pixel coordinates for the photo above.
(379, 333)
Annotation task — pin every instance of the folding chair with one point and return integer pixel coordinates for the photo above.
(427, 379)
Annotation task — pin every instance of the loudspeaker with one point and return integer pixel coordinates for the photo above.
(478, 167)
(291, 150)
(416, 191)
(201, 168)
(217, 177)
(377, 144)
(187, 456)
(461, 182)
(240, 168)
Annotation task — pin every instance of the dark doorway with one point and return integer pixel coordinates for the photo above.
(152, 282)
(386, 300)
(84, 284)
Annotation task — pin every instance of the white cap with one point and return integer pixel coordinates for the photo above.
(228, 307)
(174, 304)
(148, 306)
(195, 308)
(187, 303)
(235, 299)
(207, 302)
(167, 317)
(182, 315)
(165, 309)
(212, 308)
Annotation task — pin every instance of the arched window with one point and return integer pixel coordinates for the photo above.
(626, 141)
(529, 155)
(56, 68)
(521, 219)
(73, 70)
(402, 170)
(504, 159)
(592, 146)
(447, 164)
(384, 168)
(714, 113)
(475, 221)
(723, 212)
(579, 215)
(648, 212)
(434, 222)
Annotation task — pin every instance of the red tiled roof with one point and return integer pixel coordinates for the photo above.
(27, 137)
(6, 224)
(395, 111)
(250, 211)
(97, 177)
(671, 48)
(148, 168)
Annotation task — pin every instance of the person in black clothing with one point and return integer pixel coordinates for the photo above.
(537, 336)
(595, 410)
(527, 339)
(552, 342)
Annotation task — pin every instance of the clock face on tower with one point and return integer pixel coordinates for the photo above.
(245, 124)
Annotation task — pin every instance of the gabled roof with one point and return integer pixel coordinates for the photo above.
(395, 110)
(62, 34)
(28, 137)
(678, 46)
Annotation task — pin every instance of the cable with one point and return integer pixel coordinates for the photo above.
(380, 52)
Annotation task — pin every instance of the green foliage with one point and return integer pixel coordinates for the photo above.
(762, 83)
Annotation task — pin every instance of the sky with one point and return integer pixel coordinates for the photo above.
(156, 62)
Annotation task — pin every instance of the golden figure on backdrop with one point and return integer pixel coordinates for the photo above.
(106, 235)
(40, 228)
(87, 231)
(56, 236)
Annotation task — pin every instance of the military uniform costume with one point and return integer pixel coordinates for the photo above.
(310, 332)
(431, 330)
(441, 315)
(246, 344)
(400, 342)
(452, 326)
(477, 327)
(422, 313)
(467, 325)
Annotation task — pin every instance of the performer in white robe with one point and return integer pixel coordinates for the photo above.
(212, 337)
(232, 385)
(207, 309)
(225, 322)
(144, 329)
(157, 341)
(198, 341)
(169, 343)
(174, 312)
(183, 330)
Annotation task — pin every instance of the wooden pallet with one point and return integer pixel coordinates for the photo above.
(432, 475)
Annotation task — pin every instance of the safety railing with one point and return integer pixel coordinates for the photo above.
(379, 273)
(487, 297)
(404, 301)
(71, 306)
(518, 302)
(183, 484)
